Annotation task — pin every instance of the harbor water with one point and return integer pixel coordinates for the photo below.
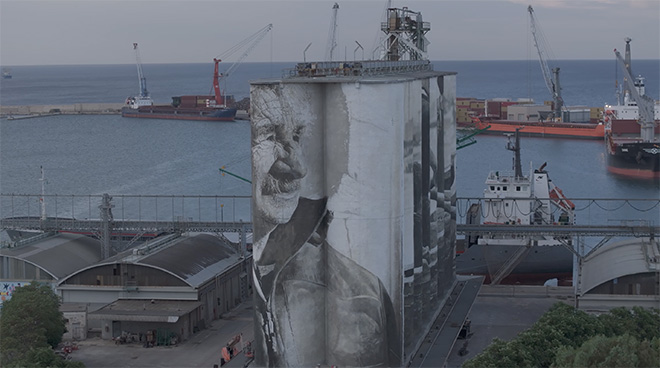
(85, 154)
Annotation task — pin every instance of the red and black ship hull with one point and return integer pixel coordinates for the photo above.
(634, 159)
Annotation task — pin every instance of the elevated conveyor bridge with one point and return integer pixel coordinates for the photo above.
(103, 216)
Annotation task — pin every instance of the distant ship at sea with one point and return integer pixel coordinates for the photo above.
(6, 73)
(552, 119)
(216, 107)
(209, 108)
(502, 115)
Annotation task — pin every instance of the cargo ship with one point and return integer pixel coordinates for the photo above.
(552, 119)
(207, 108)
(216, 107)
(513, 199)
(505, 116)
(632, 135)
(182, 108)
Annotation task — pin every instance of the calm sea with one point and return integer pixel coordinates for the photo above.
(115, 155)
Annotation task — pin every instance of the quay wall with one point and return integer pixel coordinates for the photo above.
(74, 109)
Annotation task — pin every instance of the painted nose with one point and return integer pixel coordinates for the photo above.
(288, 166)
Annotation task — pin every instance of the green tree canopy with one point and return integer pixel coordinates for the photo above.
(30, 320)
(643, 324)
(43, 357)
(614, 351)
(565, 336)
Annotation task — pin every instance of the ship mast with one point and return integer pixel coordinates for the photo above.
(43, 194)
(515, 147)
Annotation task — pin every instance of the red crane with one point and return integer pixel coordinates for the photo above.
(250, 42)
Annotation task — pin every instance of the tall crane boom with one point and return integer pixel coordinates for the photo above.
(552, 84)
(247, 45)
(332, 34)
(645, 104)
(142, 80)
(142, 99)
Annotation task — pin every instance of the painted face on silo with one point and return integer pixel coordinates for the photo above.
(276, 160)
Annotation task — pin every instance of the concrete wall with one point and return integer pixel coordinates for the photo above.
(182, 328)
(76, 325)
(353, 186)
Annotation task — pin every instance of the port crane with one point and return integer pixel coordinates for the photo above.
(550, 82)
(143, 99)
(645, 104)
(248, 44)
(332, 34)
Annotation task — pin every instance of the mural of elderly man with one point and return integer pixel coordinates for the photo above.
(313, 305)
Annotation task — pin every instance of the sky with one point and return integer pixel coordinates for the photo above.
(58, 32)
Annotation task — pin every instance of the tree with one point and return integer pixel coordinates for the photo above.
(30, 320)
(615, 351)
(501, 353)
(44, 357)
(643, 324)
(565, 336)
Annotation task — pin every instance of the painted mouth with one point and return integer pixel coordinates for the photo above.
(283, 188)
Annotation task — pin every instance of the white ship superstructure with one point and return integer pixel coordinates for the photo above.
(513, 199)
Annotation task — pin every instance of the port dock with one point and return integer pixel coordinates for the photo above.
(36, 111)
(30, 111)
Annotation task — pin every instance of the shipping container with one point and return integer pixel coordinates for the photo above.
(495, 108)
(576, 116)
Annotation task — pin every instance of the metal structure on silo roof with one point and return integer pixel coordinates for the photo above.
(405, 32)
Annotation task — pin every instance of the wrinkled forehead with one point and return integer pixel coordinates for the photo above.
(272, 110)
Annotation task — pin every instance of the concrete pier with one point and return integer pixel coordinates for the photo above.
(35, 111)
(23, 111)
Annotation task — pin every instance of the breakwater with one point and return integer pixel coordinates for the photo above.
(34, 111)
(23, 111)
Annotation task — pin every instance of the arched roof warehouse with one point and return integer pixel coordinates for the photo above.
(180, 261)
(635, 256)
(51, 258)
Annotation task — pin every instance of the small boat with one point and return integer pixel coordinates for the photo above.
(514, 199)
(6, 73)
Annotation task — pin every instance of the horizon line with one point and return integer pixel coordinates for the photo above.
(314, 61)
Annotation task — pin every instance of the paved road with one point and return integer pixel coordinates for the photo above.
(202, 350)
(502, 317)
(495, 313)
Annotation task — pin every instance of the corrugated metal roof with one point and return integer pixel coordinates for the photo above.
(195, 259)
(59, 255)
(631, 256)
